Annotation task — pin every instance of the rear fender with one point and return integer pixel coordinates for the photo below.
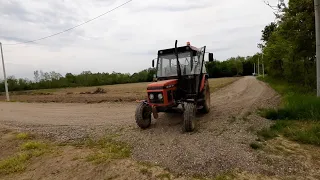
(203, 81)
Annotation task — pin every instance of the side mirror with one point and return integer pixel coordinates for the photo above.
(153, 63)
(154, 78)
(210, 57)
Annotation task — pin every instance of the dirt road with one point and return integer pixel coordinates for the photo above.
(221, 142)
(238, 97)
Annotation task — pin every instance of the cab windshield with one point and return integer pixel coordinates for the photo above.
(167, 65)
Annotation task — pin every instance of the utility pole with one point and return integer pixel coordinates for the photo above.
(262, 66)
(258, 67)
(317, 18)
(4, 75)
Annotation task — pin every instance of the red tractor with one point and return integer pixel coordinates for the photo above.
(181, 80)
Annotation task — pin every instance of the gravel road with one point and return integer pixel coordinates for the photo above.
(220, 143)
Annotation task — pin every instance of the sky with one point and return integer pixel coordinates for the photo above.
(127, 39)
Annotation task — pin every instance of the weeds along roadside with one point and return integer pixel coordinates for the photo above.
(297, 117)
(27, 148)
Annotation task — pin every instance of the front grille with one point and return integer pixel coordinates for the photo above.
(155, 100)
(155, 88)
(169, 96)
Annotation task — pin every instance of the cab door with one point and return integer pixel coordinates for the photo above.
(200, 77)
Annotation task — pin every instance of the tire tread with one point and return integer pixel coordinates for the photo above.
(142, 123)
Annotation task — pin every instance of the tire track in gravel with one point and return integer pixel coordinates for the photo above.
(221, 142)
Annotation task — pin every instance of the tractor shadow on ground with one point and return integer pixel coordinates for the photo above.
(172, 121)
(167, 120)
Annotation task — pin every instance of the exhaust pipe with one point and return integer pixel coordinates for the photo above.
(177, 56)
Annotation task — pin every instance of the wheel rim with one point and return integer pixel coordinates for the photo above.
(145, 113)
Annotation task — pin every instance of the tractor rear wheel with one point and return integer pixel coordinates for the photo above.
(206, 96)
(143, 115)
(189, 115)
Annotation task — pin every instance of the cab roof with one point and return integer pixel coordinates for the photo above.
(181, 49)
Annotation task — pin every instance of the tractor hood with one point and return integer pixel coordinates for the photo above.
(163, 84)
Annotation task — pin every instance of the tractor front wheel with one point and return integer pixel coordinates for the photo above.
(143, 115)
(189, 116)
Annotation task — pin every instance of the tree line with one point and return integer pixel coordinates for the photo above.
(48, 80)
(289, 44)
(237, 66)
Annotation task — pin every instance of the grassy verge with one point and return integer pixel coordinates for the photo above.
(307, 132)
(298, 117)
(107, 150)
(28, 150)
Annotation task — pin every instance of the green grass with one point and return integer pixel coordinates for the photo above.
(146, 172)
(222, 176)
(146, 164)
(107, 150)
(199, 177)
(298, 117)
(307, 132)
(268, 133)
(16, 163)
(23, 136)
(225, 176)
(164, 176)
(273, 131)
(299, 103)
(297, 107)
(19, 161)
(35, 148)
(33, 145)
(284, 88)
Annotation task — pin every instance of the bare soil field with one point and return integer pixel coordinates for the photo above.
(218, 149)
(111, 93)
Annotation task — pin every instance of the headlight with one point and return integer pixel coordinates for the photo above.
(151, 96)
(160, 96)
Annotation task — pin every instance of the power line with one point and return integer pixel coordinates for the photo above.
(46, 37)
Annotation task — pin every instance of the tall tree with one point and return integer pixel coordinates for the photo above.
(290, 50)
(268, 30)
(36, 76)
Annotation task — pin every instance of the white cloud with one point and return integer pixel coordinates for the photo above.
(127, 39)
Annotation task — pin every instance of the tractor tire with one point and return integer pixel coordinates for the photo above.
(143, 115)
(189, 117)
(206, 95)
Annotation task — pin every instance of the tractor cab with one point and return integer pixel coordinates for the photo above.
(189, 58)
(182, 67)
(181, 79)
